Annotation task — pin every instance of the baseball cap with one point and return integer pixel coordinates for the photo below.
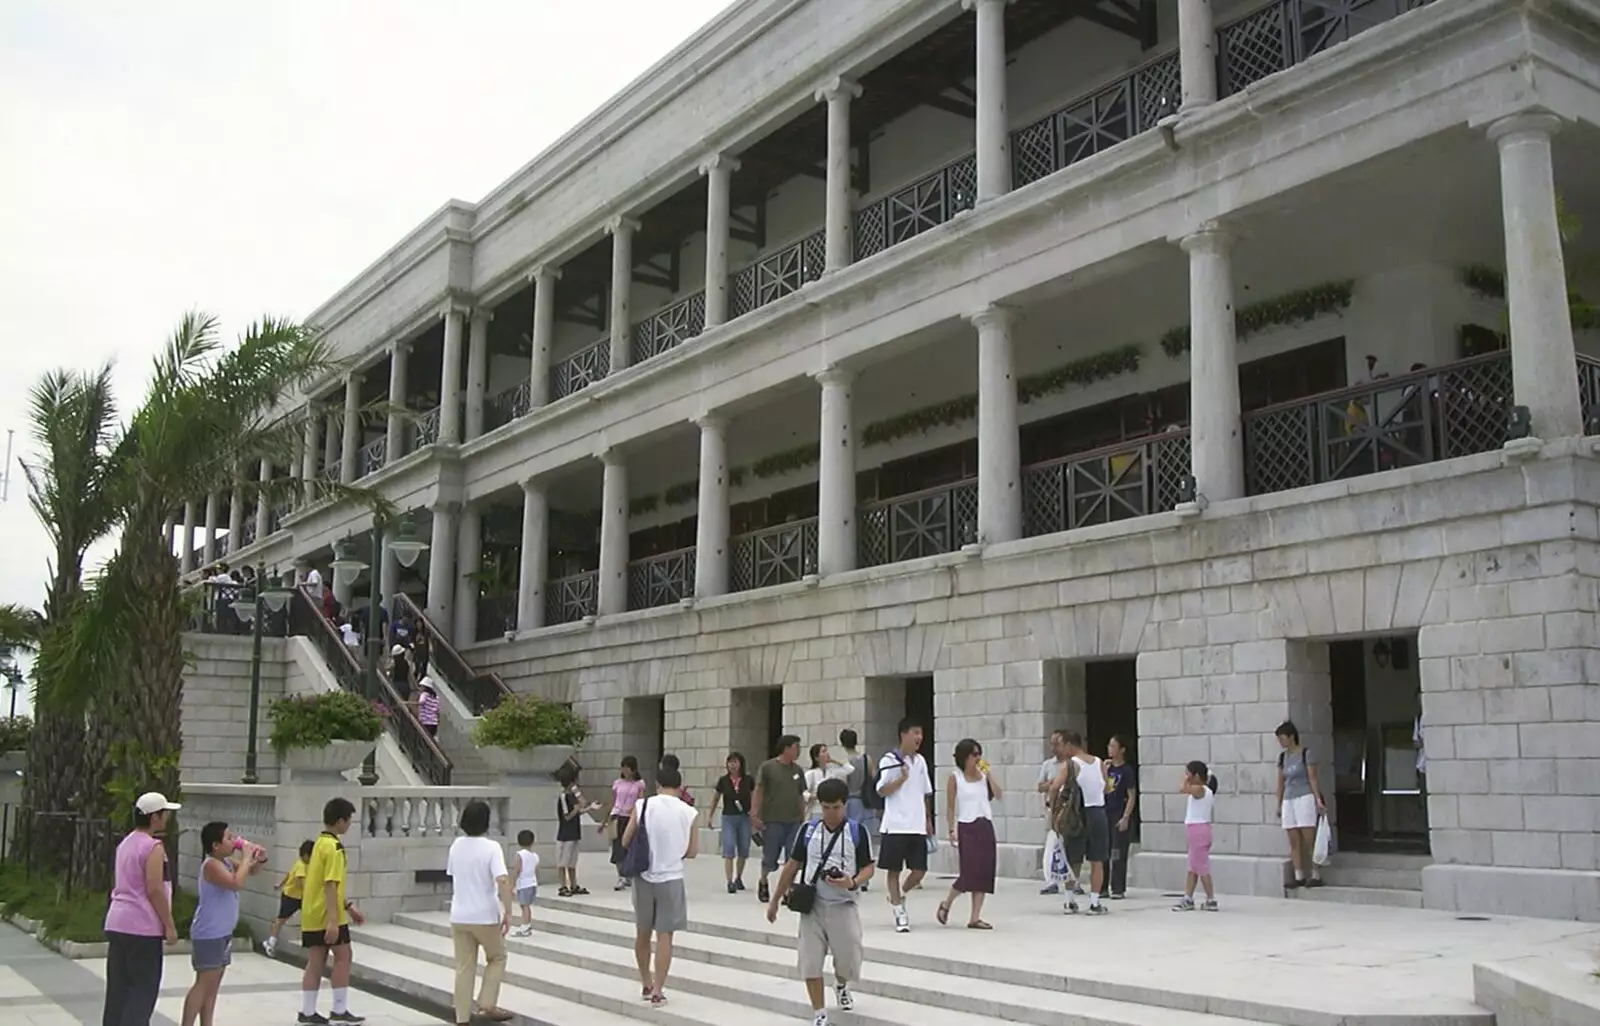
(154, 801)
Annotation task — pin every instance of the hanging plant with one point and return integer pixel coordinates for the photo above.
(787, 461)
(644, 504)
(680, 493)
(921, 421)
(1081, 373)
(1484, 281)
(1291, 308)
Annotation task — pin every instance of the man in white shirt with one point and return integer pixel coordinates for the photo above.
(1094, 847)
(660, 905)
(905, 785)
(313, 582)
(480, 914)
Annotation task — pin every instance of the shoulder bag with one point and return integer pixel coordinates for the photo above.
(802, 896)
(636, 856)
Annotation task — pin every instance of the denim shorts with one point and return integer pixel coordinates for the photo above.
(210, 953)
(777, 843)
(527, 895)
(735, 836)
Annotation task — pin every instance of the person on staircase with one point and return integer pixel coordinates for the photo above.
(907, 818)
(734, 794)
(777, 808)
(480, 914)
(1299, 803)
(570, 808)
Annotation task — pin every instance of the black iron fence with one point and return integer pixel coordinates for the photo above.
(77, 850)
(210, 611)
(481, 691)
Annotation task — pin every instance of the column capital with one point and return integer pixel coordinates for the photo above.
(995, 314)
(611, 457)
(621, 222)
(715, 423)
(1210, 237)
(972, 5)
(835, 376)
(455, 305)
(444, 507)
(544, 272)
(1528, 122)
(719, 162)
(354, 378)
(533, 485)
(836, 87)
(484, 314)
(400, 346)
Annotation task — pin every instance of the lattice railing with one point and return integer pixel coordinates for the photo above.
(1112, 113)
(773, 555)
(425, 429)
(661, 580)
(1286, 32)
(925, 523)
(926, 203)
(332, 470)
(669, 327)
(775, 276)
(581, 369)
(481, 691)
(374, 455)
(1589, 393)
(504, 407)
(568, 599)
(1130, 479)
(247, 531)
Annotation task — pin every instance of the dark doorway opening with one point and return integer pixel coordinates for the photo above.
(1380, 793)
(774, 720)
(1111, 707)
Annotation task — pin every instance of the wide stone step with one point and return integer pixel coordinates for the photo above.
(891, 995)
(1339, 875)
(1360, 896)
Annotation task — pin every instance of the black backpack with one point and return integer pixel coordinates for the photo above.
(870, 798)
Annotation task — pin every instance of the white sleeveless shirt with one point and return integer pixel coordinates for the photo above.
(1092, 781)
(972, 798)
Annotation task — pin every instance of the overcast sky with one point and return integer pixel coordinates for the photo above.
(253, 158)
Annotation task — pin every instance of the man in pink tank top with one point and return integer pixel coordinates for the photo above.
(139, 917)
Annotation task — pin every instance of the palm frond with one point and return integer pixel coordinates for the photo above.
(20, 627)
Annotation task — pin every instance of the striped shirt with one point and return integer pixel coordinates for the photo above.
(428, 709)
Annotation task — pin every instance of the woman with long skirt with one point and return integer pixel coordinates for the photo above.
(968, 794)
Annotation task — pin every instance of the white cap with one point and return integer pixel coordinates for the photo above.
(154, 801)
(397, 650)
(426, 682)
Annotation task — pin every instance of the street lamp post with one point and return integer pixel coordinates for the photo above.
(251, 605)
(346, 568)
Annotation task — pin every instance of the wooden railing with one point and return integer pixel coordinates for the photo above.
(481, 691)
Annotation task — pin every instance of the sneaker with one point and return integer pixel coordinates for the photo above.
(847, 1000)
(1185, 905)
(820, 1019)
(311, 1020)
(1293, 884)
(270, 947)
(763, 895)
(738, 885)
(1070, 908)
(621, 884)
(1050, 889)
(1098, 909)
(346, 1017)
(1315, 881)
(902, 923)
(1116, 897)
(1210, 905)
(732, 889)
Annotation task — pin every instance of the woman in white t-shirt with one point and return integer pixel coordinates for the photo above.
(967, 796)
(822, 768)
(1201, 788)
(480, 914)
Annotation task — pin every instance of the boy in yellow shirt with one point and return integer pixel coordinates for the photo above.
(325, 918)
(291, 888)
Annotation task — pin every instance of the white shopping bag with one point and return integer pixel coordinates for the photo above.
(1322, 851)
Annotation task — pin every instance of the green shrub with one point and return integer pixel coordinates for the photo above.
(524, 721)
(312, 721)
(14, 733)
(80, 918)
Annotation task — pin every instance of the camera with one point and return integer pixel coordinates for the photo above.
(835, 873)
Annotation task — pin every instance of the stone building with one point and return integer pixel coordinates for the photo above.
(1163, 370)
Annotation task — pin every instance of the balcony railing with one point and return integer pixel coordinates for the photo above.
(1129, 479)
(773, 555)
(425, 429)
(332, 471)
(777, 275)
(497, 617)
(926, 203)
(1112, 113)
(1286, 32)
(569, 599)
(924, 523)
(661, 580)
(669, 327)
(374, 455)
(507, 406)
(247, 530)
(581, 369)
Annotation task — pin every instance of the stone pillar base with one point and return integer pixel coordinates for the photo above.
(1255, 875)
(1512, 891)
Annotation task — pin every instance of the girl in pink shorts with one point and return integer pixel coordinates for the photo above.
(1201, 788)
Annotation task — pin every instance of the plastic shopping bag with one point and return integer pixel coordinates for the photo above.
(1322, 851)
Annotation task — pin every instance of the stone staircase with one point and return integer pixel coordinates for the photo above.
(1366, 878)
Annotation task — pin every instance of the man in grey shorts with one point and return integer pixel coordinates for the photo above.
(834, 858)
(660, 906)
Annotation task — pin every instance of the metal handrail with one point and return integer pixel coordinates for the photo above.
(483, 690)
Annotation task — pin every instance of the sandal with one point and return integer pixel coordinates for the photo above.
(979, 924)
(944, 913)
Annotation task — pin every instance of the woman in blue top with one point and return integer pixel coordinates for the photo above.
(228, 860)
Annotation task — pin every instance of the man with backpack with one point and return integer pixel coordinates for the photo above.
(905, 785)
(832, 860)
(863, 803)
(1081, 789)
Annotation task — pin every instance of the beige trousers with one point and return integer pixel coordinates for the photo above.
(468, 939)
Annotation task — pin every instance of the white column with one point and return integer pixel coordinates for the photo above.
(544, 334)
(999, 446)
(993, 131)
(1197, 53)
(388, 579)
(350, 450)
(469, 554)
(711, 526)
(1218, 455)
(613, 581)
(186, 539)
(477, 373)
(263, 507)
(169, 534)
(450, 382)
(839, 235)
(442, 566)
(719, 183)
(836, 484)
(395, 429)
(535, 563)
(331, 439)
(208, 543)
(1543, 360)
(621, 322)
(310, 450)
(236, 512)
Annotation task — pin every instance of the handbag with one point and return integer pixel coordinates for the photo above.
(1321, 850)
(802, 897)
(636, 856)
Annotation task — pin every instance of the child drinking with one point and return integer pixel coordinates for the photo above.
(291, 889)
(1201, 788)
(227, 862)
(527, 886)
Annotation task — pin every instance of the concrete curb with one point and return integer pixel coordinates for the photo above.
(98, 949)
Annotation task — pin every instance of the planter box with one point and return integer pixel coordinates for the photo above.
(326, 765)
(24, 924)
(536, 765)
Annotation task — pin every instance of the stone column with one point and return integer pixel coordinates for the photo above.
(535, 563)
(388, 578)
(719, 171)
(1197, 53)
(331, 439)
(350, 450)
(999, 444)
(186, 539)
(836, 485)
(395, 430)
(477, 373)
(993, 131)
(613, 582)
(1544, 375)
(1218, 453)
(310, 451)
(711, 526)
(208, 543)
(442, 566)
(263, 507)
(469, 557)
(544, 333)
(839, 220)
(450, 381)
(236, 512)
(621, 321)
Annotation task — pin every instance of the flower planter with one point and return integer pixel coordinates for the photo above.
(536, 765)
(326, 765)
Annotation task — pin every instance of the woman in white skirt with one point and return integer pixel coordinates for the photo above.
(1299, 802)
